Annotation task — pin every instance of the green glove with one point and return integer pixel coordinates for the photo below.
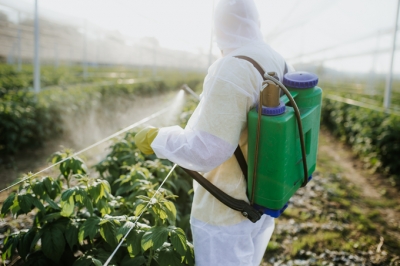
(144, 138)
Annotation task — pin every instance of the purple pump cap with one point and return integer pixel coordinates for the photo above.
(300, 80)
(280, 109)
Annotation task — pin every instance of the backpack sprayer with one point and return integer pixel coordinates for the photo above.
(282, 144)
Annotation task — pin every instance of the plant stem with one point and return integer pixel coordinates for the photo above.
(150, 257)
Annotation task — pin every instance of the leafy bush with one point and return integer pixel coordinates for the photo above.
(80, 219)
(24, 122)
(373, 135)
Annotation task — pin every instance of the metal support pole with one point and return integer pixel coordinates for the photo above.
(85, 63)
(19, 42)
(36, 67)
(388, 88)
(154, 60)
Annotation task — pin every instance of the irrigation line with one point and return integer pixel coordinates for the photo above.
(361, 104)
(134, 224)
(144, 120)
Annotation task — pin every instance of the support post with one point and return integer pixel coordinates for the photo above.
(36, 67)
(388, 88)
(19, 42)
(85, 63)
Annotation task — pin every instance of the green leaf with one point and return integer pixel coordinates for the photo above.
(133, 241)
(67, 207)
(36, 239)
(171, 211)
(39, 205)
(155, 237)
(88, 204)
(25, 202)
(38, 189)
(71, 234)
(80, 195)
(53, 242)
(103, 206)
(68, 194)
(95, 192)
(107, 231)
(105, 187)
(51, 216)
(137, 260)
(167, 257)
(83, 261)
(124, 229)
(25, 243)
(140, 208)
(89, 228)
(97, 262)
(7, 204)
(189, 256)
(178, 239)
(47, 184)
(51, 203)
(53, 188)
(9, 246)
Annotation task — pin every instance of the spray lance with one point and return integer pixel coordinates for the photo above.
(282, 144)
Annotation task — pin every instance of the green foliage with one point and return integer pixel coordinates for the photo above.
(79, 214)
(27, 120)
(373, 135)
(24, 122)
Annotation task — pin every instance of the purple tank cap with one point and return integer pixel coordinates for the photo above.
(300, 80)
(280, 109)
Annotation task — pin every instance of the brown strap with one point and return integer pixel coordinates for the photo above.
(255, 64)
(258, 67)
(239, 205)
(241, 160)
(238, 152)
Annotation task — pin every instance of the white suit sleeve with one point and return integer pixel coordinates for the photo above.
(212, 133)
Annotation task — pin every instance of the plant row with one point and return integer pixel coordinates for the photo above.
(82, 214)
(373, 135)
(27, 119)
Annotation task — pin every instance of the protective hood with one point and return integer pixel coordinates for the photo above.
(236, 24)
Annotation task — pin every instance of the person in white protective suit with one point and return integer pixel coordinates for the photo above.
(222, 236)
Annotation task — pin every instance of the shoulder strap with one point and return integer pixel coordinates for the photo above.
(255, 64)
(238, 152)
(258, 67)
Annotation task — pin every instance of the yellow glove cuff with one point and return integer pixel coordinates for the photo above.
(144, 138)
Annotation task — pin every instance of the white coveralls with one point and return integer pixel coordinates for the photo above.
(222, 236)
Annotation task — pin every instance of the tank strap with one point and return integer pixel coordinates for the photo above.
(238, 152)
(255, 64)
(242, 161)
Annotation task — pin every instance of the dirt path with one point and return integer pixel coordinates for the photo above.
(347, 161)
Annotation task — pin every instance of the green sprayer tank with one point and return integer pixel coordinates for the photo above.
(279, 167)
